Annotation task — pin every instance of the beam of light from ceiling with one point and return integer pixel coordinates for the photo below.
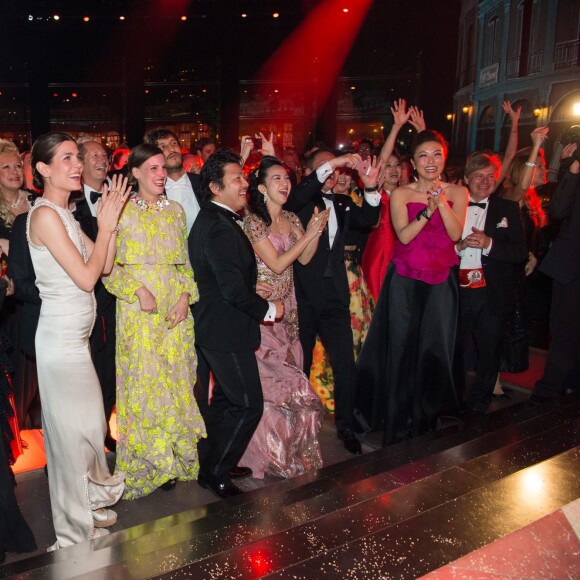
(318, 48)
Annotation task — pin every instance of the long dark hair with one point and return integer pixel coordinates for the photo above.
(258, 177)
(43, 151)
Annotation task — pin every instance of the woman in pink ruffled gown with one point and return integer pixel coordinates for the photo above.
(285, 443)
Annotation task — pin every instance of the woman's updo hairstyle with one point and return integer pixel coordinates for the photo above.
(137, 157)
(43, 151)
(258, 177)
(427, 136)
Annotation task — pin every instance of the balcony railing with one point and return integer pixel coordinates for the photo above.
(512, 69)
(566, 54)
(535, 61)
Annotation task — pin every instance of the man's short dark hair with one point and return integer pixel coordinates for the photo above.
(213, 171)
(310, 159)
(151, 137)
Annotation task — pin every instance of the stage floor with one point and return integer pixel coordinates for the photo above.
(494, 497)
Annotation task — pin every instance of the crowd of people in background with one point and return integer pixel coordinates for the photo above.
(221, 300)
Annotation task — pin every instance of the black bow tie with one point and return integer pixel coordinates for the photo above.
(328, 196)
(95, 196)
(482, 204)
(236, 217)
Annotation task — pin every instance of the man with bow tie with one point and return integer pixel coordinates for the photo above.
(103, 337)
(227, 318)
(491, 245)
(322, 290)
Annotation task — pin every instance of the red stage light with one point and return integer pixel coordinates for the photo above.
(307, 54)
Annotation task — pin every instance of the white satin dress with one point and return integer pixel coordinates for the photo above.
(73, 418)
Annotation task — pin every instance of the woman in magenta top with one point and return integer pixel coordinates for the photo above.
(404, 372)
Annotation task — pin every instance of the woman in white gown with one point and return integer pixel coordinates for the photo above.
(67, 266)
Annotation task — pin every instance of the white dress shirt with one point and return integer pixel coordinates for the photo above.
(475, 218)
(181, 191)
(323, 173)
(87, 191)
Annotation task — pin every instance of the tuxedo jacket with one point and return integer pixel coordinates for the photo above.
(503, 224)
(105, 300)
(327, 261)
(21, 270)
(228, 313)
(562, 262)
(196, 185)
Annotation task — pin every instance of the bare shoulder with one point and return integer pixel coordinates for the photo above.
(455, 193)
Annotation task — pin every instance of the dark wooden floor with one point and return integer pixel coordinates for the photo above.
(398, 512)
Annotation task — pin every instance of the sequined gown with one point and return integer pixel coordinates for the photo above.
(73, 418)
(285, 443)
(158, 421)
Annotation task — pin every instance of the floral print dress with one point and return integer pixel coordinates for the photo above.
(158, 421)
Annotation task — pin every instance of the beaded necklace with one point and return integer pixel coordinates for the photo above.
(161, 203)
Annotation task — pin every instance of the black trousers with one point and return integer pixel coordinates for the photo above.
(563, 364)
(332, 324)
(232, 414)
(103, 341)
(488, 328)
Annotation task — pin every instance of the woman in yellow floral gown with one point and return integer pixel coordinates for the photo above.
(158, 420)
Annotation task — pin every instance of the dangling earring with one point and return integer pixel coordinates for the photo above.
(265, 197)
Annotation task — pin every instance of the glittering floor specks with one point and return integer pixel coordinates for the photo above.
(430, 505)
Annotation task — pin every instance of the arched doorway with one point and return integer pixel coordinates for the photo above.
(485, 135)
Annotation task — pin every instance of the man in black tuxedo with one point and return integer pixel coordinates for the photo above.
(180, 186)
(562, 263)
(21, 272)
(491, 246)
(103, 337)
(227, 318)
(322, 290)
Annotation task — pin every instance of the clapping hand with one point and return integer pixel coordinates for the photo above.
(317, 223)
(478, 239)
(112, 203)
(368, 171)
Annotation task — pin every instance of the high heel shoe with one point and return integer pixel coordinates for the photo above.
(169, 485)
(104, 518)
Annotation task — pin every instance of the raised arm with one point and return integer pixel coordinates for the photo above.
(47, 229)
(512, 144)
(518, 192)
(400, 116)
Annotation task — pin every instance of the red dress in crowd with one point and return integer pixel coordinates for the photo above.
(379, 249)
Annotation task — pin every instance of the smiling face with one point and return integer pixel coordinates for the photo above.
(277, 187)
(172, 153)
(481, 182)
(96, 164)
(344, 181)
(65, 169)
(151, 176)
(429, 160)
(235, 187)
(11, 172)
(392, 173)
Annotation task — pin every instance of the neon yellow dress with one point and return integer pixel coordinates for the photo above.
(158, 421)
